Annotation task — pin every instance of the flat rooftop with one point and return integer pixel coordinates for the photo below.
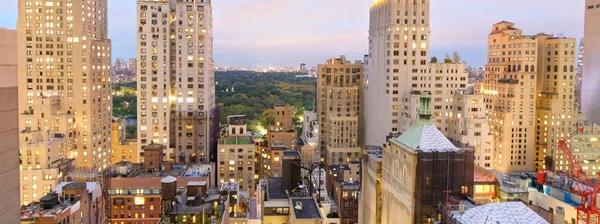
(291, 153)
(275, 190)
(309, 210)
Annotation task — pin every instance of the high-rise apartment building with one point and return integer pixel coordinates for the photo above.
(9, 132)
(529, 88)
(591, 62)
(339, 109)
(469, 128)
(175, 69)
(236, 157)
(398, 70)
(64, 57)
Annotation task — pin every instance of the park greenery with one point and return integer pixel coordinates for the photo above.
(255, 94)
(252, 94)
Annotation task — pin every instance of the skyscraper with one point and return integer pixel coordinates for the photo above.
(339, 108)
(398, 70)
(529, 88)
(176, 90)
(591, 62)
(9, 133)
(64, 57)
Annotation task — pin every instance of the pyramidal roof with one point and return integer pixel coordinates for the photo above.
(424, 136)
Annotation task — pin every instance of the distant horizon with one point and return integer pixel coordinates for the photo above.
(275, 33)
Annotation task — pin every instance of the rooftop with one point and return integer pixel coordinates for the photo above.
(230, 186)
(424, 136)
(51, 205)
(125, 169)
(275, 190)
(505, 213)
(291, 153)
(237, 140)
(308, 208)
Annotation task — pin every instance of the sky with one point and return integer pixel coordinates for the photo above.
(288, 32)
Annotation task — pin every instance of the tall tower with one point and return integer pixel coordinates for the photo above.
(339, 94)
(176, 103)
(64, 57)
(398, 70)
(9, 127)
(591, 62)
(529, 88)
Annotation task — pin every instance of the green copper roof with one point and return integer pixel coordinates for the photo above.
(424, 136)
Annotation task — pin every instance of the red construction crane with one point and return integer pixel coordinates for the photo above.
(587, 212)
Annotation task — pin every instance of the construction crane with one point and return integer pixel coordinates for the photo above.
(587, 212)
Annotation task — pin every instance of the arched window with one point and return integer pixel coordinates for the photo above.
(565, 68)
(241, 130)
(514, 68)
(526, 68)
(571, 69)
(519, 68)
(233, 131)
(556, 68)
(533, 68)
(548, 70)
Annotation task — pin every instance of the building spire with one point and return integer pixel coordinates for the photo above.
(424, 109)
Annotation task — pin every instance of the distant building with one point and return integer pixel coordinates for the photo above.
(176, 104)
(310, 129)
(303, 67)
(584, 146)
(236, 157)
(70, 202)
(420, 168)
(398, 69)
(468, 126)
(132, 65)
(123, 149)
(9, 149)
(529, 102)
(64, 79)
(339, 109)
(43, 163)
(591, 62)
(280, 137)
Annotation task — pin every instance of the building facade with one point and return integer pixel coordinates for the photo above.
(281, 136)
(591, 61)
(398, 69)
(69, 202)
(584, 147)
(416, 171)
(175, 69)
(236, 157)
(529, 91)
(468, 126)
(339, 109)
(9, 132)
(123, 149)
(370, 193)
(65, 62)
